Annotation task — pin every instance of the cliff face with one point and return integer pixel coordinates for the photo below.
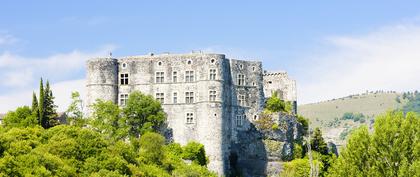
(261, 149)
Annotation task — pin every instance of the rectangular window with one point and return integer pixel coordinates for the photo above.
(123, 99)
(189, 76)
(239, 120)
(124, 79)
(241, 79)
(189, 97)
(174, 76)
(160, 97)
(190, 118)
(212, 95)
(241, 100)
(160, 77)
(175, 97)
(212, 74)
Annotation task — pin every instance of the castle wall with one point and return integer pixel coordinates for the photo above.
(102, 80)
(281, 83)
(238, 84)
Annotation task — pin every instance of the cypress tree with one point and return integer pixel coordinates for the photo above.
(41, 104)
(35, 107)
(50, 113)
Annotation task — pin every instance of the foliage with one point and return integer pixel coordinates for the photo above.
(106, 119)
(73, 151)
(353, 116)
(143, 114)
(413, 104)
(317, 142)
(265, 121)
(299, 168)
(195, 152)
(21, 117)
(50, 112)
(393, 149)
(275, 104)
(75, 110)
(305, 124)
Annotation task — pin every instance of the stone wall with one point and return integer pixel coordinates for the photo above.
(216, 123)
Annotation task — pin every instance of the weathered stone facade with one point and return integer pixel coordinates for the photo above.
(207, 97)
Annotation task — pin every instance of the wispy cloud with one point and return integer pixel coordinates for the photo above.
(20, 76)
(7, 39)
(385, 59)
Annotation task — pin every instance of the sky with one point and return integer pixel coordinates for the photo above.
(331, 48)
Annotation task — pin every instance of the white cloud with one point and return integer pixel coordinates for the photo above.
(7, 39)
(20, 76)
(20, 71)
(385, 59)
(61, 90)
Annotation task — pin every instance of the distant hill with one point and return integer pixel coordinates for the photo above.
(327, 114)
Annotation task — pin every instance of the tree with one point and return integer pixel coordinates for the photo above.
(317, 142)
(195, 152)
(21, 117)
(393, 149)
(106, 119)
(143, 114)
(35, 107)
(298, 168)
(50, 113)
(75, 110)
(41, 119)
(274, 104)
(151, 148)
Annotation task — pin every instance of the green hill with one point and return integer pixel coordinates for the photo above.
(328, 114)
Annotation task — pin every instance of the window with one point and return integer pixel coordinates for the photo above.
(174, 76)
(212, 95)
(175, 97)
(241, 100)
(190, 118)
(124, 65)
(123, 99)
(241, 79)
(239, 120)
(212, 74)
(160, 77)
(189, 76)
(212, 60)
(189, 62)
(160, 63)
(160, 97)
(189, 97)
(124, 79)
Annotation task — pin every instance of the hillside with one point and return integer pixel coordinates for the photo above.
(327, 115)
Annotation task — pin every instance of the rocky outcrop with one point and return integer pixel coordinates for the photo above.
(263, 150)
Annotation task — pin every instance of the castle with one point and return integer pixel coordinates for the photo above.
(207, 97)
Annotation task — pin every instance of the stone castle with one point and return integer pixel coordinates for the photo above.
(207, 97)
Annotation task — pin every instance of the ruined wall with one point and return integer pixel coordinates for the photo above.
(281, 83)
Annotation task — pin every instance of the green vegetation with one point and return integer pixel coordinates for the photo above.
(112, 142)
(393, 149)
(413, 104)
(275, 104)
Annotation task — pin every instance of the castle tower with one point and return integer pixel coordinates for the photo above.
(102, 80)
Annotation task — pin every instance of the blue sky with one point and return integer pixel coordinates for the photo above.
(324, 45)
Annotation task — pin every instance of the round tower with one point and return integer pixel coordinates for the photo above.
(102, 80)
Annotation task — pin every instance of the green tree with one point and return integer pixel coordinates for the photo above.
(21, 117)
(151, 148)
(35, 107)
(299, 168)
(275, 104)
(75, 110)
(50, 113)
(41, 103)
(195, 152)
(317, 142)
(106, 119)
(393, 149)
(143, 114)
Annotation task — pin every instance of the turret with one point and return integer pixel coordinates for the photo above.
(102, 80)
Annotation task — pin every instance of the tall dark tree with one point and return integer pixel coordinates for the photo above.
(317, 142)
(41, 103)
(50, 112)
(35, 107)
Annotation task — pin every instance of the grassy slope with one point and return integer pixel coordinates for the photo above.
(319, 114)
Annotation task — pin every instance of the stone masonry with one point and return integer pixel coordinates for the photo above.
(207, 97)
